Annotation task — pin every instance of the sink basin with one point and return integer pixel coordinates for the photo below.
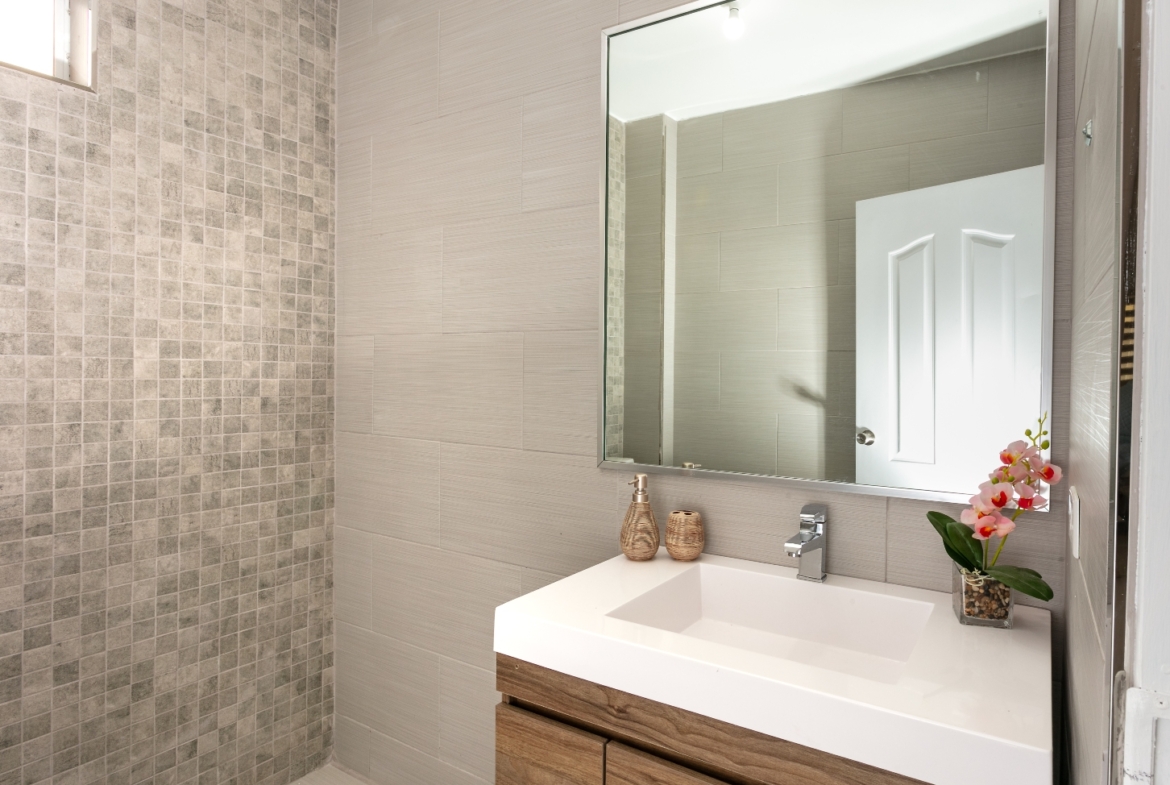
(873, 672)
(834, 627)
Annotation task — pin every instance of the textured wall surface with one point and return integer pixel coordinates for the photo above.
(469, 257)
(1095, 342)
(166, 264)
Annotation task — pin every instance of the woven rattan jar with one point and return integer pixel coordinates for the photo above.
(684, 535)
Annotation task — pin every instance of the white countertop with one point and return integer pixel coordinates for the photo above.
(959, 706)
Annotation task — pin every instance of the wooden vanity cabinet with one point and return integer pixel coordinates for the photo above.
(554, 729)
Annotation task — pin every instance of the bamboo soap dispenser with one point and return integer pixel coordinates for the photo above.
(639, 529)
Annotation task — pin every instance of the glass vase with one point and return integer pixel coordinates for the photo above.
(981, 601)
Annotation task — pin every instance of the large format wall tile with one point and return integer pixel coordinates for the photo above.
(442, 601)
(407, 381)
(395, 763)
(455, 167)
(782, 257)
(732, 199)
(392, 283)
(803, 128)
(965, 157)
(481, 389)
(352, 566)
(935, 105)
(541, 510)
(467, 707)
(355, 378)
(388, 486)
(562, 140)
(536, 271)
(560, 392)
(402, 699)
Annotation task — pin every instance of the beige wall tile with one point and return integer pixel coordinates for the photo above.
(493, 51)
(388, 486)
(644, 326)
(816, 446)
(700, 145)
(354, 165)
(696, 380)
(354, 19)
(351, 745)
(395, 763)
(562, 145)
(560, 392)
(811, 382)
(389, 685)
(644, 205)
(536, 271)
(352, 588)
(636, 9)
(644, 147)
(392, 283)
(644, 263)
(697, 263)
(481, 389)
(720, 202)
(457, 167)
(781, 257)
(964, 157)
(802, 195)
(467, 710)
(934, 105)
(801, 128)
(550, 512)
(1016, 90)
(407, 385)
(856, 176)
(355, 358)
(390, 76)
(817, 319)
(440, 600)
(846, 252)
(531, 579)
(736, 321)
(733, 441)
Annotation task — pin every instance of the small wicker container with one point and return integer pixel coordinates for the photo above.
(684, 535)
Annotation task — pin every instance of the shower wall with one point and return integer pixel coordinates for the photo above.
(166, 355)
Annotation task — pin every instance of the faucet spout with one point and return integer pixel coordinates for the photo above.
(809, 544)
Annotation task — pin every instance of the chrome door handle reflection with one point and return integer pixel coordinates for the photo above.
(865, 437)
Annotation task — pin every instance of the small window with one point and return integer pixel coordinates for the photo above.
(50, 37)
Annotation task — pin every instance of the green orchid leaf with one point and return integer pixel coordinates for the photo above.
(1022, 580)
(958, 554)
(962, 539)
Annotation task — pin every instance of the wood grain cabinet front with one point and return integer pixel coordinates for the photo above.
(556, 729)
(628, 766)
(534, 750)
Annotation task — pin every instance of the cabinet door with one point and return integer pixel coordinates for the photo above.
(534, 750)
(627, 766)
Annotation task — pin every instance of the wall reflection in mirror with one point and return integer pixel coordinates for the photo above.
(827, 239)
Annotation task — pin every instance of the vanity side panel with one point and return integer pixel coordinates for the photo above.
(729, 752)
(534, 750)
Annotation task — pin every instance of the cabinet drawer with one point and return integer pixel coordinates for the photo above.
(534, 750)
(627, 766)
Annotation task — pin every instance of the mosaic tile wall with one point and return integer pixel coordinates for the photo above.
(615, 289)
(166, 401)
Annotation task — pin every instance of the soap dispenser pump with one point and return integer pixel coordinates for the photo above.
(639, 529)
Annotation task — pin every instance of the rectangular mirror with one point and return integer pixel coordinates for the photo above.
(828, 239)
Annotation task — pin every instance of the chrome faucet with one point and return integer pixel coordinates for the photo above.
(809, 543)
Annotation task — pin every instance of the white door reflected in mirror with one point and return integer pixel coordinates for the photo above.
(949, 338)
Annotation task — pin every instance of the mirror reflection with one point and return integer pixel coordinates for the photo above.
(826, 239)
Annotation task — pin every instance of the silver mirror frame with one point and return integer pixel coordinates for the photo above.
(823, 486)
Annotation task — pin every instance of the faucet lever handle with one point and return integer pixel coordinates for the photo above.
(814, 513)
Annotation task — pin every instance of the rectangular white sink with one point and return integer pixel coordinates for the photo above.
(841, 629)
(873, 672)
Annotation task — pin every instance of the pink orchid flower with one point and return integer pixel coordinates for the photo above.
(1029, 497)
(1013, 452)
(997, 494)
(994, 525)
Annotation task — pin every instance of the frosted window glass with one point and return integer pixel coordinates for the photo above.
(26, 34)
